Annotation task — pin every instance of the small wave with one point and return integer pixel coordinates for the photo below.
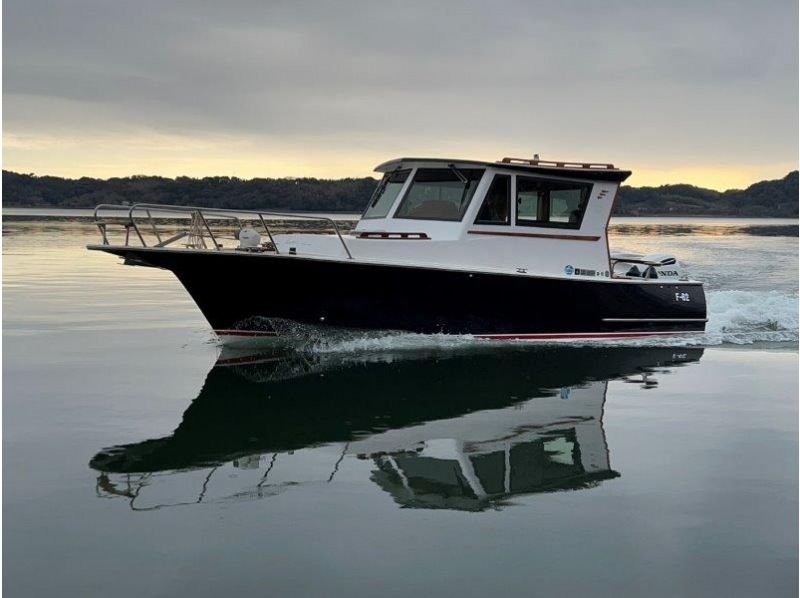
(745, 317)
(392, 341)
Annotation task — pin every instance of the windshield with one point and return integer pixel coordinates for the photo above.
(385, 194)
(440, 193)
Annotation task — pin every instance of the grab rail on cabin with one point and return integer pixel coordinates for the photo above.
(132, 217)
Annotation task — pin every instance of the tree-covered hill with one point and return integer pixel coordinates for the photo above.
(220, 192)
(778, 198)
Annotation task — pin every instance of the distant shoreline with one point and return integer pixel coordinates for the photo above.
(765, 199)
(18, 214)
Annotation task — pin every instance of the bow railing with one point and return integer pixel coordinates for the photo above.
(142, 220)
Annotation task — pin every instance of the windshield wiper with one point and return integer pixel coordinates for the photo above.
(458, 173)
(376, 195)
(464, 180)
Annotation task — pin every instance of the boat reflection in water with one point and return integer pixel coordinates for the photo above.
(458, 430)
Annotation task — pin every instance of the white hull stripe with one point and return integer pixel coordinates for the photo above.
(655, 319)
(579, 335)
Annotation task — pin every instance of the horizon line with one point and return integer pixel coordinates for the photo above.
(291, 177)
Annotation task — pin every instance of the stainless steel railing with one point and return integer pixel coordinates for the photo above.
(137, 216)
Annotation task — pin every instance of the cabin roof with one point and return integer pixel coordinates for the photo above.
(556, 168)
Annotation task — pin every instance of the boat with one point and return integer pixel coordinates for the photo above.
(512, 249)
(493, 424)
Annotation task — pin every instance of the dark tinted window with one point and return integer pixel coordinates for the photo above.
(385, 194)
(496, 208)
(439, 193)
(551, 203)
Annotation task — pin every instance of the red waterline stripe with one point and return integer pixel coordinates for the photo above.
(542, 336)
(246, 333)
(569, 335)
(248, 359)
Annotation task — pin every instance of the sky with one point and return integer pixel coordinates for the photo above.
(702, 92)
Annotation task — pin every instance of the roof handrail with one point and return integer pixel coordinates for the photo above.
(558, 163)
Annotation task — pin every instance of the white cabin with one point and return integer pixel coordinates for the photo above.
(511, 216)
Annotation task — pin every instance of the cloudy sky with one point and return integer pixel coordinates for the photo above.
(681, 91)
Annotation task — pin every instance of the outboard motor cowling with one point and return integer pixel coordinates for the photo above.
(665, 265)
(654, 265)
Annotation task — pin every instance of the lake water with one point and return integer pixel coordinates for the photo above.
(140, 459)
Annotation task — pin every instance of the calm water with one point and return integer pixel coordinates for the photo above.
(142, 460)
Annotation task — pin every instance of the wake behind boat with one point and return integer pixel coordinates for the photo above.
(514, 249)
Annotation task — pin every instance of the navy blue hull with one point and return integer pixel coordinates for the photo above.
(240, 291)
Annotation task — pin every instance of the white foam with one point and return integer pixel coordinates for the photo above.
(745, 317)
(736, 318)
(392, 341)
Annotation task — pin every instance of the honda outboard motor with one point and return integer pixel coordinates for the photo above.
(654, 265)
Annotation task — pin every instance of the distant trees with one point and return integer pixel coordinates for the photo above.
(777, 198)
(26, 190)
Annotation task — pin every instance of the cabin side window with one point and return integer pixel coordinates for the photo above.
(551, 203)
(385, 194)
(439, 193)
(496, 208)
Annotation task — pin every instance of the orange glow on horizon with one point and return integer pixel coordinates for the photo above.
(715, 177)
(180, 156)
